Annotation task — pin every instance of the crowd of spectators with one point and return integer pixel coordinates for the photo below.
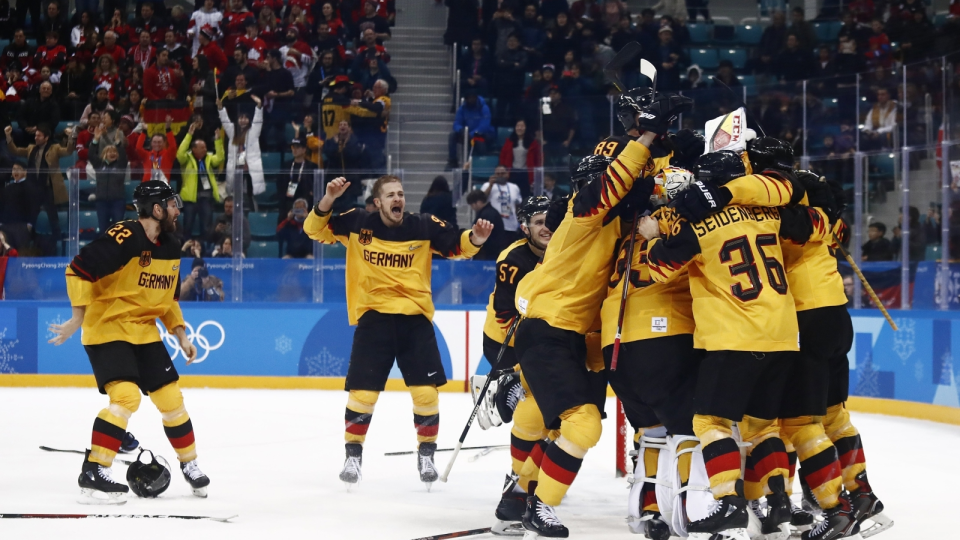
(527, 61)
(139, 91)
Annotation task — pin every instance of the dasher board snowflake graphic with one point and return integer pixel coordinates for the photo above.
(325, 365)
(283, 344)
(8, 359)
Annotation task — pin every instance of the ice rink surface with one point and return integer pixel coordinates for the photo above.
(273, 458)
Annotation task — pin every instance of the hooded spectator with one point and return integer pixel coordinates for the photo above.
(474, 115)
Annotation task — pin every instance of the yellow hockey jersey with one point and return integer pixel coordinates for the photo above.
(653, 309)
(812, 272)
(126, 283)
(568, 288)
(741, 299)
(513, 264)
(388, 268)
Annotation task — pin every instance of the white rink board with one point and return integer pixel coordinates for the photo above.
(273, 457)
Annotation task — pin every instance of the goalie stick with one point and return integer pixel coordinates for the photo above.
(458, 534)
(476, 407)
(106, 516)
(81, 452)
(411, 452)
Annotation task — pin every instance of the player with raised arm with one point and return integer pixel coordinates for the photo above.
(561, 302)
(389, 299)
(508, 399)
(743, 373)
(118, 286)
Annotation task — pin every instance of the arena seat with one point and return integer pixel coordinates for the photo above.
(749, 34)
(263, 250)
(705, 58)
(700, 34)
(737, 56)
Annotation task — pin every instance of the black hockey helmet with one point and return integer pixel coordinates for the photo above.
(769, 153)
(719, 167)
(533, 206)
(149, 475)
(589, 168)
(153, 192)
(631, 102)
(687, 146)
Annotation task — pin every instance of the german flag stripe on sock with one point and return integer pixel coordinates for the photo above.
(536, 455)
(427, 426)
(357, 423)
(180, 436)
(766, 458)
(520, 449)
(559, 465)
(849, 451)
(107, 435)
(720, 456)
(821, 468)
(650, 498)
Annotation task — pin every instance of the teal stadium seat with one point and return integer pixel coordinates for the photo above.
(737, 56)
(933, 252)
(749, 34)
(700, 34)
(335, 251)
(88, 220)
(483, 166)
(263, 225)
(827, 31)
(705, 58)
(269, 197)
(263, 250)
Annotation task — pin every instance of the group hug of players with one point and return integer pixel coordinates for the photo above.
(731, 364)
(734, 335)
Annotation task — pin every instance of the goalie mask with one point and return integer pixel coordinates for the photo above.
(669, 183)
(149, 475)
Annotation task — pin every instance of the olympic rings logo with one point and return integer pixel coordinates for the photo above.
(196, 337)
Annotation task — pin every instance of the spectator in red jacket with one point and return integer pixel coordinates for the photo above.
(258, 5)
(329, 15)
(83, 142)
(106, 76)
(299, 18)
(520, 155)
(51, 53)
(255, 46)
(208, 48)
(110, 48)
(152, 23)
(158, 161)
(370, 44)
(143, 53)
(162, 80)
(118, 25)
(879, 53)
(269, 26)
(233, 24)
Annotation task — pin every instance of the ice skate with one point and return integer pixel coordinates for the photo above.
(727, 520)
(838, 522)
(350, 475)
(654, 527)
(195, 477)
(868, 510)
(97, 485)
(510, 510)
(800, 519)
(129, 443)
(428, 470)
(809, 503)
(541, 521)
(776, 524)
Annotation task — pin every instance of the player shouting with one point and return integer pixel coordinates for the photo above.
(118, 286)
(389, 255)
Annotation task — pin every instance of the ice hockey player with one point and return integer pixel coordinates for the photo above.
(656, 369)
(389, 300)
(826, 336)
(743, 373)
(507, 398)
(561, 301)
(118, 286)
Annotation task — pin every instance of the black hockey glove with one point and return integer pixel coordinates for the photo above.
(789, 177)
(687, 146)
(663, 112)
(555, 213)
(819, 194)
(700, 200)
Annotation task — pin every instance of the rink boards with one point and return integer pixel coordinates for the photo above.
(308, 346)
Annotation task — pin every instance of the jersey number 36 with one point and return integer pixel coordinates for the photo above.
(748, 266)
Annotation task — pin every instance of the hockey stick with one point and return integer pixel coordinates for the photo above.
(622, 58)
(82, 453)
(93, 516)
(476, 406)
(626, 288)
(458, 534)
(866, 284)
(411, 452)
(485, 452)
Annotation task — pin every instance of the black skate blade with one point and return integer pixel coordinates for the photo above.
(94, 497)
(508, 528)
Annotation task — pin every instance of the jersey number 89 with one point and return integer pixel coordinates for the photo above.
(748, 266)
